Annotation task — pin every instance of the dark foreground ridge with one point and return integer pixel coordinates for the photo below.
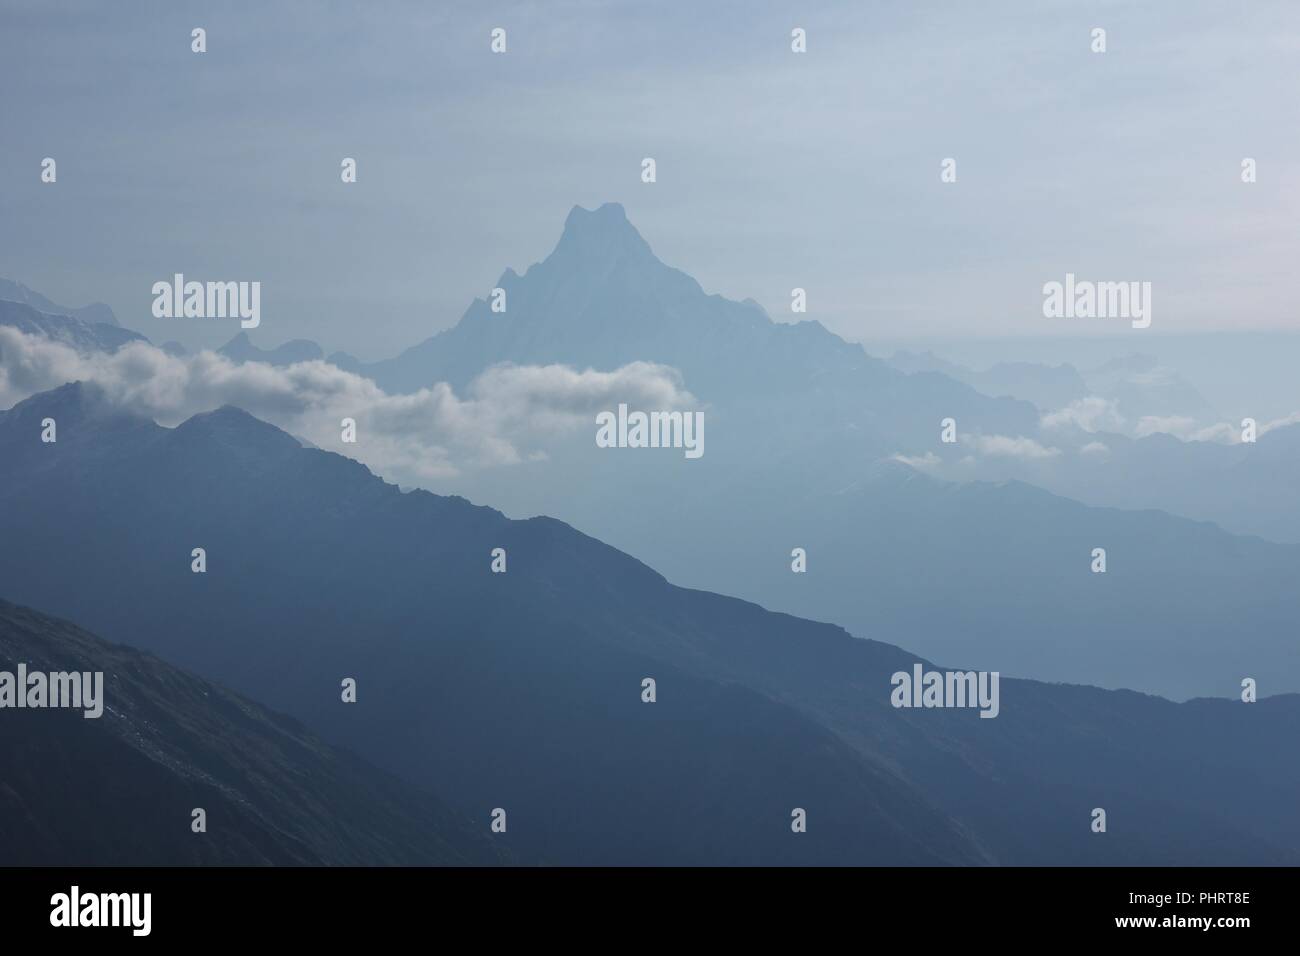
(119, 789)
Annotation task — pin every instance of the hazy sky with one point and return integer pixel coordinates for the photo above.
(775, 169)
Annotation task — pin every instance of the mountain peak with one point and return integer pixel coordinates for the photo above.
(73, 401)
(71, 405)
(232, 427)
(242, 349)
(610, 213)
(96, 312)
(602, 231)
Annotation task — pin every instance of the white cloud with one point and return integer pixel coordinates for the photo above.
(1092, 414)
(1094, 448)
(1180, 426)
(430, 434)
(1187, 429)
(1161, 376)
(1223, 433)
(1291, 419)
(925, 462)
(1002, 446)
(988, 446)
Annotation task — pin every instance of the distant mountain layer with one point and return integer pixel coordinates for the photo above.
(1137, 385)
(523, 690)
(120, 789)
(810, 445)
(807, 436)
(1047, 387)
(82, 335)
(95, 313)
(1246, 488)
(242, 349)
(602, 299)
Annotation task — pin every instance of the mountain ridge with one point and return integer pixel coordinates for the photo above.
(84, 336)
(119, 789)
(521, 690)
(95, 313)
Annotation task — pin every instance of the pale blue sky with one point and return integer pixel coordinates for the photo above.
(775, 170)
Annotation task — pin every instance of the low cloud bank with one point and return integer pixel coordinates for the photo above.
(505, 416)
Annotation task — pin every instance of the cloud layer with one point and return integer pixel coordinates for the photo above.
(504, 418)
(1092, 414)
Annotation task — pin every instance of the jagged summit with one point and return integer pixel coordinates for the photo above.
(242, 349)
(604, 231)
(602, 299)
(17, 292)
(606, 215)
(70, 393)
(84, 336)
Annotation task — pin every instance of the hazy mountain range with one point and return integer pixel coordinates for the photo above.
(811, 443)
(81, 334)
(1136, 386)
(523, 690)
(1126, 433)
(242, 349)
(814, 444)
(97, 313)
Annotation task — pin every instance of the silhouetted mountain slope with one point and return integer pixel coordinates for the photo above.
(1000, 576)
(997, 573)
(119, 789)
(82, 335)
(1048, 387)
(1137, 385)
(498, 698)
(1247, 488)
(522, 690)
